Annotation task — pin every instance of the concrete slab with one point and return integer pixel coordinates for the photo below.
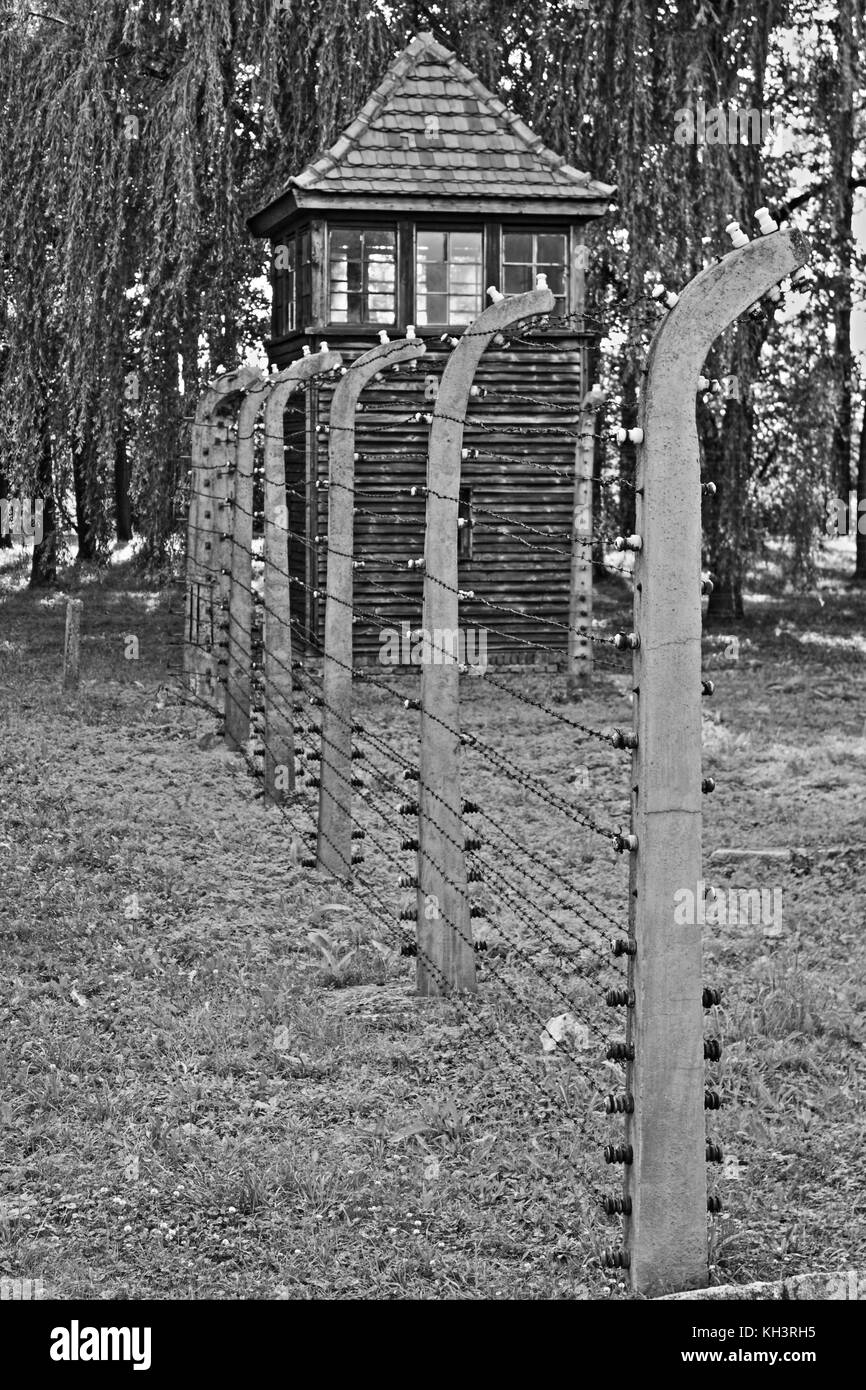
(847, 1285)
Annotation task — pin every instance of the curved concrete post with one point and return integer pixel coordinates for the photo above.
(666, 1233)
(443, 918)
(580, 588)
(334, 849)
(279, 737)
(238, 671)
(210, 457)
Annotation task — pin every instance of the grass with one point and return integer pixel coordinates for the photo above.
(215, 1080)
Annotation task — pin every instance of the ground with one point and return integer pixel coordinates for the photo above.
(200, 1101)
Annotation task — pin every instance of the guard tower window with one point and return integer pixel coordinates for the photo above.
(524, 254)
(363, 278)
(448, 270)
(284, 287)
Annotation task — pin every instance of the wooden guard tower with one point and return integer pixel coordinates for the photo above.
(433, 193)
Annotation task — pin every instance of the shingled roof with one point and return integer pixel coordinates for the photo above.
(432, 130)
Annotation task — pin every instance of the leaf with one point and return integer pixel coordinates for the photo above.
(321, 912)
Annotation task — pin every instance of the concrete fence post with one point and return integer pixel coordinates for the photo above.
(240, 610)
(334, 848)
(445, 952)
(579, 665)
(279, 736)
(666, 1230)
(207, 521)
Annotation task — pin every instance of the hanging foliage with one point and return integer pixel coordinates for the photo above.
(135, 139)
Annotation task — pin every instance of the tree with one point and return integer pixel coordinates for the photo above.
(135, 139)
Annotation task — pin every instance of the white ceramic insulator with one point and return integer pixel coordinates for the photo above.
(766, 223)
(737, 235)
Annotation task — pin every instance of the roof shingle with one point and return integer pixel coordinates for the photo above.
(430, 104)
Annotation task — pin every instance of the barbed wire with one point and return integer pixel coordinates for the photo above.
(407, 766)
(510, 770)
(447, 922)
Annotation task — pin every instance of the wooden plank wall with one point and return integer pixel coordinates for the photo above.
(503, 568)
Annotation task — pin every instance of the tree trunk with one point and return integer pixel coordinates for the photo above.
(81, 461)
(161, 447)
(43, 568)
(722, 514)
(860, 567)
(726, 602)
(122, 508)
(729, 536)
(5, 536)
(842, 164)
(628, 451)
(727, 540)
(728, 455)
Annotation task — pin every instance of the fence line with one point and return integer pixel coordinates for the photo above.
(211, 454)
(660, 1058)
